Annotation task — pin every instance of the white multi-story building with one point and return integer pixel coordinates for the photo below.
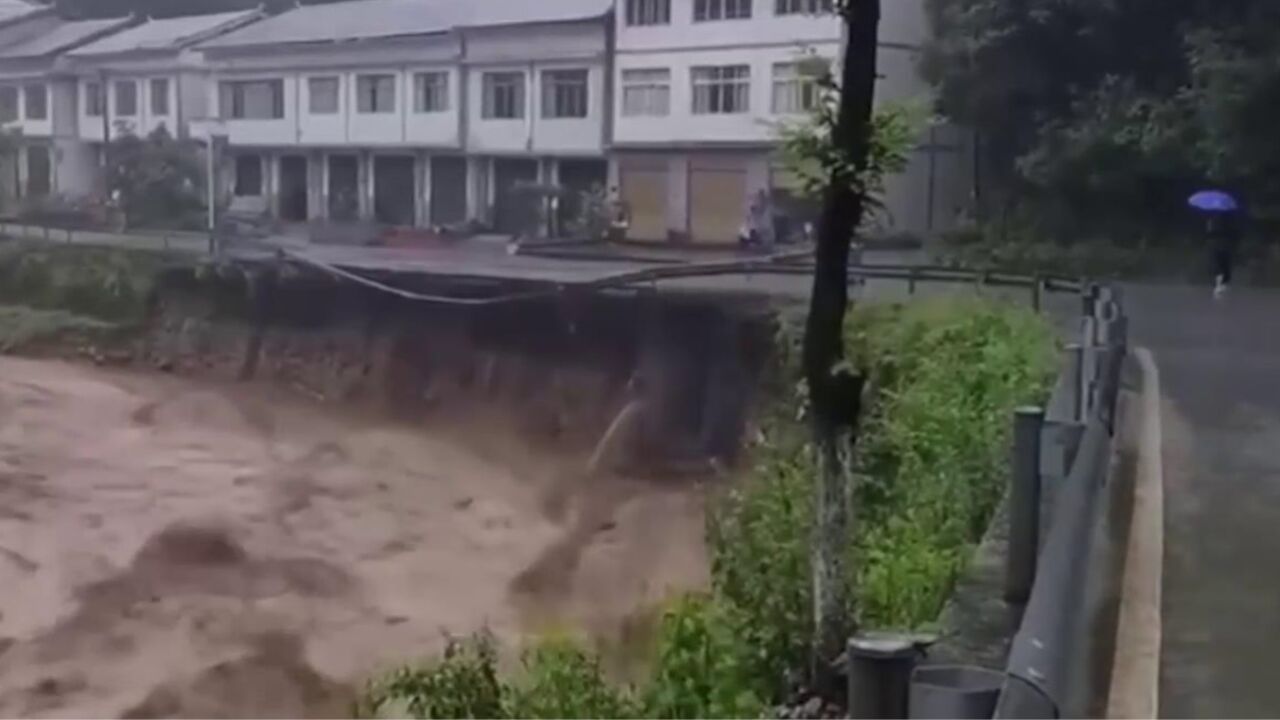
(703, 89)
(413, 111)
(435, 112)
(147, 76)
(38, 101)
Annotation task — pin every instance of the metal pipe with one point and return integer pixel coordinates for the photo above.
(1024, 505)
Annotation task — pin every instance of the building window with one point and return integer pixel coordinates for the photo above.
(160, 96)
(375, 94)
(721, 89)
(795, 87)
(564, 93)
(804, 7)
(252, 99)
(431, 92)
(704, 10)
(37, 101)
(503, 96)
(322, 95)
(248, 176)
(8, 103)
(93, 99)
(646, 92)
(648, 12)
(126, 98)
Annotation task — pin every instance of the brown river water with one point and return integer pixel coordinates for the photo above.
(174, 548)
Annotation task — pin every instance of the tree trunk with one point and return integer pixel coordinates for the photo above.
(835, 393)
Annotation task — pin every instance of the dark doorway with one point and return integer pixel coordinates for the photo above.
(39, 171)
(448, 190)
(394, 190)
(581, 182)
(344, 188)
(293, 188)
(515, 207)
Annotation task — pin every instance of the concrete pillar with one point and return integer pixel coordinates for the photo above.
(678, 196)
(315, 186)
(366, 184)
(423, 173)
(323, 208)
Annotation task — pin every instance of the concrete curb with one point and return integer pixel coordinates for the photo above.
(1135, 675)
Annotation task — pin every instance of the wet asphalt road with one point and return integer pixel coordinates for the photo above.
(1220, 373)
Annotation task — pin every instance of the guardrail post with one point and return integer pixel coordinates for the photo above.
(1024, 505)
(1037, 294)
(1088, 363)
(967, 693)
(911, 282)
(1075, 380)
(1088, 298)
(880, 670)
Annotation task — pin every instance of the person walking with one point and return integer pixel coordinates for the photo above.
(1221, 228)
(1224, 237)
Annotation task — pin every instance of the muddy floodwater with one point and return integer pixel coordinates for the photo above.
(176, 548)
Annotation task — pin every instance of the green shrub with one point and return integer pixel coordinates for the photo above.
(932, 460)
(701, 669)
(462, 684)
(562, 680)
(933, 454)
(935, 444)
(759, 544)
(108, 284)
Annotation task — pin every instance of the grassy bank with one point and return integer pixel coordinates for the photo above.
(103, 283)
(1181, 260)
(932, 466)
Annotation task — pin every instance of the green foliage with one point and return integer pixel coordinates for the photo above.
(464, 683)
(934, 453)
(812, 161)
(760, 555)
(159, 180)
(702, 668)
(97, 282)
(1104, 116)
(935, 446)
(22, 328)
(563, 680)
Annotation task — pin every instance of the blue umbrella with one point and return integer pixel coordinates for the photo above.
(1214, 201)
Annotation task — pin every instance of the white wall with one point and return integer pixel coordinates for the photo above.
(534, 133)
(259, 132)
(761, 41)
(76, 168)
(762, 28)
(531, 51)
(403, 127)
(31, 128)
(143, 122)
(681, 125)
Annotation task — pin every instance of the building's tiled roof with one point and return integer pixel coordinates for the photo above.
(11, 10)
(367, 19)
(61, 37)
(166, 34)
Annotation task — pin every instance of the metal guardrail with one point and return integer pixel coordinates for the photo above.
(1049, 660)
(1060, 463)
(162, 240)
